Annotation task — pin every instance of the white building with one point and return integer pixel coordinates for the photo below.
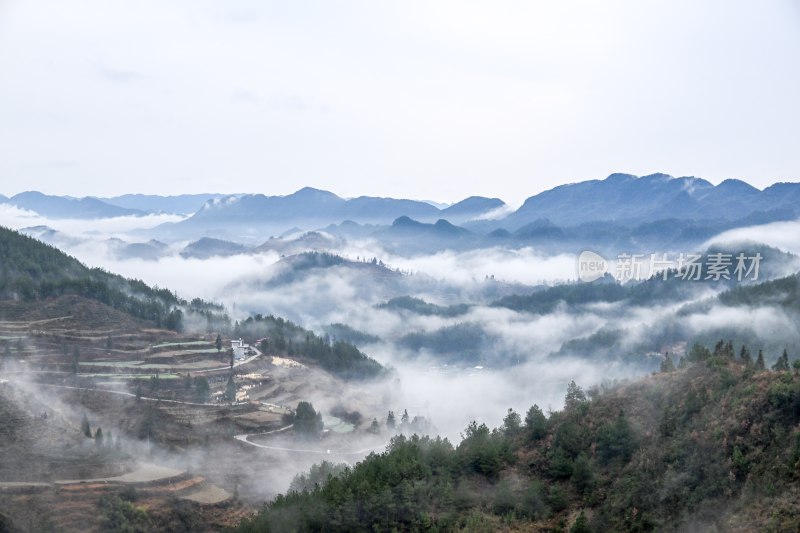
(240, 349)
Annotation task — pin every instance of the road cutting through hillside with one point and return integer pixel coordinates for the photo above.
(246, 436)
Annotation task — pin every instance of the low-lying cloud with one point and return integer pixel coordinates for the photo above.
(16, 218)
(453, 395)
(782, 235)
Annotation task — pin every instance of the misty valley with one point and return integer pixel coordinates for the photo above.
(313, 363)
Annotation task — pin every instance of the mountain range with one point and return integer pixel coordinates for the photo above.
(622, 200)
(628, 198)
(182, 204)
(68, 207)
(254, 217)
(90, 207)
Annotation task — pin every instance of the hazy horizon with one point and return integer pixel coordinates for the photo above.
(434, 201)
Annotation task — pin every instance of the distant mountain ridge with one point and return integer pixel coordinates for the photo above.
(625, 197)
(182, 204)
(256, 216)
(67, 207)
(313, 204)
(619, 200)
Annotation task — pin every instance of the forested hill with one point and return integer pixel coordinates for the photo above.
(712, 445)
(337, 357)
(31, 270)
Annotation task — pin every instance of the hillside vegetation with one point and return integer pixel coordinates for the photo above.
(31, 270)
(711, 445)
(277, 335)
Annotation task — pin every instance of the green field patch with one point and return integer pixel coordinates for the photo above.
(337, 425)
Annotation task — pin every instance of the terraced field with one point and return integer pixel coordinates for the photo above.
(68, 358)
(78, 505)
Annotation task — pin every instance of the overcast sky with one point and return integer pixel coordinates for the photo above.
(422, 99)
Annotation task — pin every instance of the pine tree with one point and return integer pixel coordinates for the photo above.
(582, 474)
(698, 353)
(512, 423)
(390, 421)
(782, 364)
(760, 361)
(719, 348)
(575, 395)
(230, 389)
(536, 423)
(405, 418)
(581, 524)
(616, 440)
(98, 437)
(667, 365)
(745, 357)
(307, 421)
(85, 428)
(218, 343)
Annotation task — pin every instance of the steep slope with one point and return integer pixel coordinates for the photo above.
(31, 270)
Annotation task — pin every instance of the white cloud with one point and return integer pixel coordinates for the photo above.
(16, 218)
(782, 235)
